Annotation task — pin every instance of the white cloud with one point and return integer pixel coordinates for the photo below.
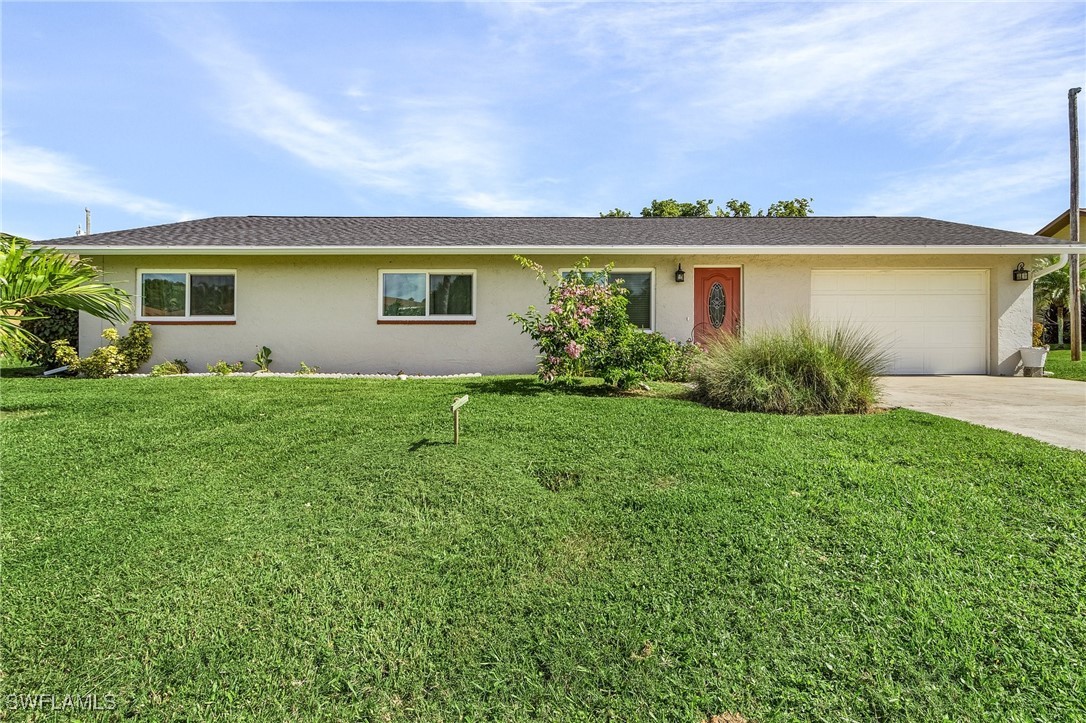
(445, 147)
(49, 173)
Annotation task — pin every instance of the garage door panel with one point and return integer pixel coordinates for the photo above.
(932, 321)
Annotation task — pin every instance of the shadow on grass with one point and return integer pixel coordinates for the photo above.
(530, 387)
(21, 372)
(426, 443)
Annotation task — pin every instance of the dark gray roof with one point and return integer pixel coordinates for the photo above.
(505, 232)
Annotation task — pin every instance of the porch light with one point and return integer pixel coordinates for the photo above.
(680, 275)
(1020, 273)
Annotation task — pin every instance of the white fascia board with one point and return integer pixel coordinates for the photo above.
(1032, 249)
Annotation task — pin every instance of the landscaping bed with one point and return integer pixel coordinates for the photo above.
(302, 550)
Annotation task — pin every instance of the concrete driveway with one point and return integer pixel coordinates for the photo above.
(1051, 410)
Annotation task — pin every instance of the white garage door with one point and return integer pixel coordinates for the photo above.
(933, 321)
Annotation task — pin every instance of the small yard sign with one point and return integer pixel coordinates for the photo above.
(456, 417)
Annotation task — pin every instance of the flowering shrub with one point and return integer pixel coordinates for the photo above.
(122, 355)
(585, 317)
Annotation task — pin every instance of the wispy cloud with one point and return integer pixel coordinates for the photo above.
(449, 147)
(938, 67)
(983, 84)
(56, 175)
(946, 191)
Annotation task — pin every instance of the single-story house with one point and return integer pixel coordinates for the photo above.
(432, 295)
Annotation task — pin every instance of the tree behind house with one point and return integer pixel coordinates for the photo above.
(702, 208)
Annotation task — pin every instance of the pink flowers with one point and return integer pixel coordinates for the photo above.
(570, 330)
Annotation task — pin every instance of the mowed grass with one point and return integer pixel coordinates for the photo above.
(304, 549)
(1060, 364)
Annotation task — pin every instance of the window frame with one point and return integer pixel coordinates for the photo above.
(651, 271)
(428, 318)
(188, 318)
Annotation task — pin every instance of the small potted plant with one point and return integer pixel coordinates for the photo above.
(1033, 357)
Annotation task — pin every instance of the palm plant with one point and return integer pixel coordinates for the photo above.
(1053, 292)
(34, 277)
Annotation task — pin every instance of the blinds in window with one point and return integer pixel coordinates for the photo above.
(639, 285)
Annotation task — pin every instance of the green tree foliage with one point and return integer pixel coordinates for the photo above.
(702, 208)
(670, 208)
(32, 278)
(1052, 294)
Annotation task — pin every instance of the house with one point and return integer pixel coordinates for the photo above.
(432, 295)
(1060, 227)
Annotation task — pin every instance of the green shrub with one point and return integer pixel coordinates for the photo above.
(170, 368)
(136, 347)
(122, 355)
(221, 367)
(263, 359)
(802, 369)
(52, 325)
(304, 368)
(682, 361)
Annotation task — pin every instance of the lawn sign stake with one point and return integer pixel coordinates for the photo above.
(456, 417)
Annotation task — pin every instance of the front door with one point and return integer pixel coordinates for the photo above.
(716, 302)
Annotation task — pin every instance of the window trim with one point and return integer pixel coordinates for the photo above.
(428, 318)
(650, 270)
(187, 318)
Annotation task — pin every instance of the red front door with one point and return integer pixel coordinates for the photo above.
(716, 302)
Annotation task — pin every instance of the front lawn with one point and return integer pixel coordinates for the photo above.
(1060, 364)
(304, 549)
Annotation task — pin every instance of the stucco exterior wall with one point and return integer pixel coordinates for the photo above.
(323, 309)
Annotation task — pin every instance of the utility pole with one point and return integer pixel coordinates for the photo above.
(1076, 282)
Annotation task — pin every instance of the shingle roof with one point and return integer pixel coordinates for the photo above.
(269, 232)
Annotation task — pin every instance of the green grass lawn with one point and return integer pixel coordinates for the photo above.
(1060, 364)
(304, 549)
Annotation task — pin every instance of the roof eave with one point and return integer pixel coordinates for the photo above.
(836, 250)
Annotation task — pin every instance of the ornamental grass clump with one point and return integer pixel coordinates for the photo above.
(802, 369)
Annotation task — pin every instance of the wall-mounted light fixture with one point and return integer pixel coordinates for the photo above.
(680, 275)
(1020, 273)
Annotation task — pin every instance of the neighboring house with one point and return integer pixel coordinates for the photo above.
(432, 295)
(1060, 227)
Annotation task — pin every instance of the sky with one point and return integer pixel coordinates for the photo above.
(152, 113)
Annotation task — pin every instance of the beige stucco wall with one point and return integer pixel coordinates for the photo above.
(323, 309)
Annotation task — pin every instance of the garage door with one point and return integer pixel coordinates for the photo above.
(933, 321)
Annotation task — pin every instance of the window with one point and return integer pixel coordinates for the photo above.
(186, 295)
(639, 306)
(427, 295)
(639, 297)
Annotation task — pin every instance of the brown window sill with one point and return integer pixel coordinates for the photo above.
(185, 322)
(439, 322)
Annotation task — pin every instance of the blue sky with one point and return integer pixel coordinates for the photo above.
(155, 112)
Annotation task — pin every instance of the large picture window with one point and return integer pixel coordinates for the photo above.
(186, 295)
(638, 283)
(431, 295)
